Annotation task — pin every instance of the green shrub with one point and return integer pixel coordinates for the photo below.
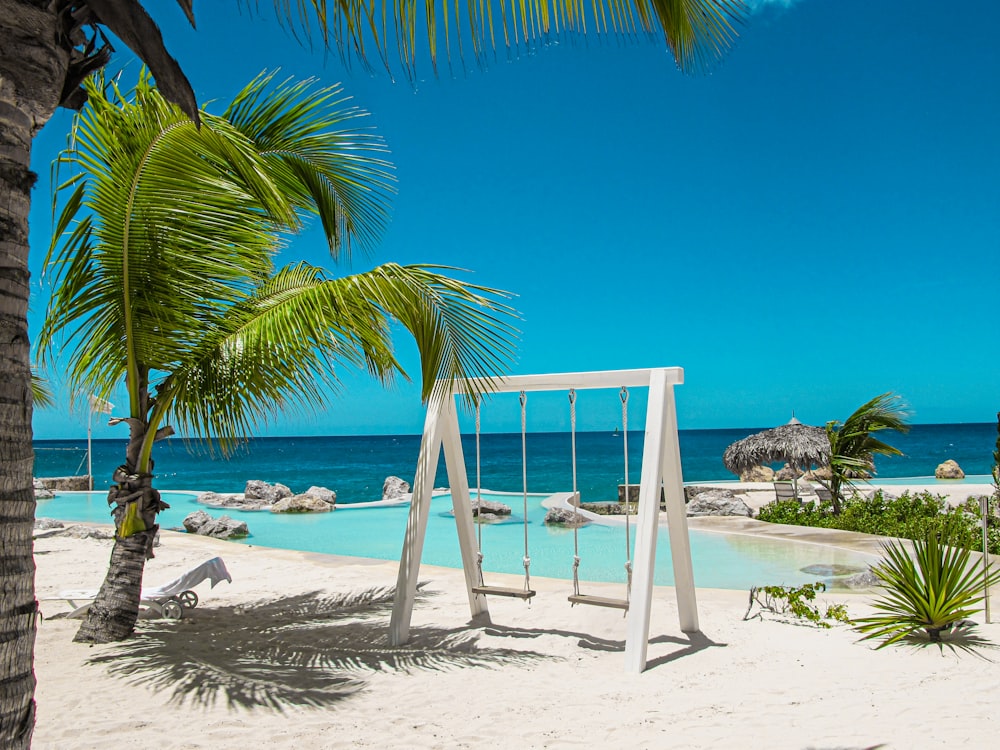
(909, 516)
(795, 601)
(933, 591)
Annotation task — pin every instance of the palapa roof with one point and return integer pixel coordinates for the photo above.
(795, 443)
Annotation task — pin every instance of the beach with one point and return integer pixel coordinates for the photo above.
(293, 653)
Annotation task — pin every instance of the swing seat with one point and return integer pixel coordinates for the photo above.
(599, 601)
(503, 591)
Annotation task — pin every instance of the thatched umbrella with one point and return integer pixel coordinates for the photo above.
(799, 445)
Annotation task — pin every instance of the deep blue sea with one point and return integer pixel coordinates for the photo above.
(355, 467)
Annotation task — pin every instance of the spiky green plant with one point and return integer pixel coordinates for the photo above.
(932, 590)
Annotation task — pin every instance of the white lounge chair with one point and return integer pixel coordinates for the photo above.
(169, 600)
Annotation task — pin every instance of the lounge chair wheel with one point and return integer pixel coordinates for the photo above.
(188, 599)
(173, 609)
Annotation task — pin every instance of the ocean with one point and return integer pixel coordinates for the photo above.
(356, 466)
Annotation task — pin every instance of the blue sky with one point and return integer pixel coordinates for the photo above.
(815, 222)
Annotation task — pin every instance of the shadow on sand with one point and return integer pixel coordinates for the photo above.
(305, 650)
(690, 644)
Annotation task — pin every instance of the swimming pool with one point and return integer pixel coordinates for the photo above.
(728, 561)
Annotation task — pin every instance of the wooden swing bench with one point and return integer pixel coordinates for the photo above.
(599, 601)
(510, 591)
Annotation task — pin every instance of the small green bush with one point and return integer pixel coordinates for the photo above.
(797, 602)
(909, 516)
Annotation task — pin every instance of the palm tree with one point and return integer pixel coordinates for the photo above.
(47, 47)
(852, 446)
(164, 280)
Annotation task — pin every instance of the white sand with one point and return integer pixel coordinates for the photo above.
(274, 661)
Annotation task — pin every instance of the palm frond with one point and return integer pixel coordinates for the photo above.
(41, 393)
(697, 32)
(324, 164)
(164, 227)
(285, 344)
(461, 330)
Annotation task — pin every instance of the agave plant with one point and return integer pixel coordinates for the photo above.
(933, 590)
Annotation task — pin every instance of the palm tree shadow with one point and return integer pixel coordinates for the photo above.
(310, 649)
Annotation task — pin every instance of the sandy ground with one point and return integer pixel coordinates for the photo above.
(293, 654)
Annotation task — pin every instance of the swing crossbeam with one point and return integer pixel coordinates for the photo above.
(599, 601)
(511, 592)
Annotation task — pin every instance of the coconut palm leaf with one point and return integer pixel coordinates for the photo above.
(41, 394)
(323, 164)
(285, 344)
(852, 445)
(697, 32)
(192, 216)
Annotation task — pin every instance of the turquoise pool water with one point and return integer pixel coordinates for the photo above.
(729, 561)
(932, 481)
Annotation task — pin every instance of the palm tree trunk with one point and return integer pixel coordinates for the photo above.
(32, 73)
(114, 612)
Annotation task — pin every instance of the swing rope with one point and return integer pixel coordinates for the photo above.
(623, 394)
(521, 593)
(577, 597)
(576, 497)
(524, 478)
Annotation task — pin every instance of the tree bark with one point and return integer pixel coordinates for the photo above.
(114, 612)
(32, 71)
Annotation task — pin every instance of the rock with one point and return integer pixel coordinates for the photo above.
(235, 501)
(692, 491)
(758, 474)
(490, 507)
(222, 527)
(785, 473)
(564, 517)
(257, 489)
(394, 488)
(864, 580)
(47, 527)
(831, 569)
(718, 503)
(949, 470)
(633, 493)
(89, 532)
(194, 521)
(327, 496)
(304, 503)
(487, 511)
(604, 509)
(821, 472)
(74, 484)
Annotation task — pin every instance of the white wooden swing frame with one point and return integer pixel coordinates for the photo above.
(661, 466)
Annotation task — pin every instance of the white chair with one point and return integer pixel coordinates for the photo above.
(169, 600)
